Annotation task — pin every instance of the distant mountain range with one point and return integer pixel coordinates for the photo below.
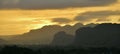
(44, 35)
(2, 41)
(102, 35)
(94, 35)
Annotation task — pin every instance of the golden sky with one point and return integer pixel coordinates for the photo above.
(19, 21)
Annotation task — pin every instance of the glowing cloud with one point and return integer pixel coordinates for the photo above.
(97, 16)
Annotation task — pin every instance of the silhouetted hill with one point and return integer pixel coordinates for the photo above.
(43, 35)
(38, 36)
(106, 34)
(62, 39)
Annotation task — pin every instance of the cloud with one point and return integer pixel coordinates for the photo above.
(99, 15)
(52, 4)
(8, 3)
(61, 20)
(119, 20)
(105, 19)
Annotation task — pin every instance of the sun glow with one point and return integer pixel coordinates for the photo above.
(18, 21)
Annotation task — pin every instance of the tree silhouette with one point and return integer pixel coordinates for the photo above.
(16, 50)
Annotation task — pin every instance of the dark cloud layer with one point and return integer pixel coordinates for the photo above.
(99, 15)
(52, 4)
(61, 20)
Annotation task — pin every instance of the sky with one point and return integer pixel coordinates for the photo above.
(21, 16)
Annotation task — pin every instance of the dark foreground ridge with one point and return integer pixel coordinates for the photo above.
(59, 50)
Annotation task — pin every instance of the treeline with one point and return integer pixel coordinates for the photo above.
(59, 50)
